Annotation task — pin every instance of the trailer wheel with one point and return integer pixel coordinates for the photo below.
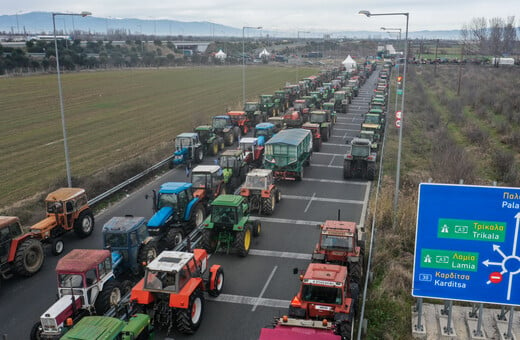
(110, 296)
(36, 331)
(209, 240)
(268, 204)
(299, 177)
(29, 257)
(84, 225)
(218, 283)
(243, 241)
(189, 319)
(57, 246)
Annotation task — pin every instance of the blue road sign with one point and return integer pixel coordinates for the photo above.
(466, 244)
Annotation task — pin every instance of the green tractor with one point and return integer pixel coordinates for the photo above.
(318, 98)
(373, 123)
(322, 118)
(329, 107)
(280, 101)
(234, 168)
(253, 112)
(267, 105)
(359, 161)
(139, 327)
(365, 134)
(211, 142)
(229, 226)
(341, 101)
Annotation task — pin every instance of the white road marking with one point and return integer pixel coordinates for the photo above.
(332, 181)
(308, 204)
(326, 154)
(264, 288)
(249, 300)
(327, 166)
(282, 254)
(333, 144)
(322, 199)
(338, 129)
(288, 221)
(365, 207)
(332, 160)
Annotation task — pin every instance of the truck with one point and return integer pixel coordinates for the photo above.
(188, 150)
(211, 143)
(261, 192)
(173, 286)
(288, 152)
(359, 160)
(67, 210)
(138, 327)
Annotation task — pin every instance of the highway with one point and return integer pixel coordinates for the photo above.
(258, 287)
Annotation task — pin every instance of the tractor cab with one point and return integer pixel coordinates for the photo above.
(253, 112)
(228, 210)
(251, 150)
(186, 140)
(360, 147)
(10, 229)
(205, 132)
(370, 135)
(264, 132)
(258, 179)
(207, 181)
(319, 116)
(338, 242)
(234, 168)
(221, 123)
(187, 148)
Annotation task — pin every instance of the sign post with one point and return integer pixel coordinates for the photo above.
(466, 245)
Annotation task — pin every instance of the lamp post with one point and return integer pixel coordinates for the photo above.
(298, 61)
(60, 91)
(395, 30)
(397, 176)
(244, 62)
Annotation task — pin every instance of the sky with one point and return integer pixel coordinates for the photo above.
(288, 15)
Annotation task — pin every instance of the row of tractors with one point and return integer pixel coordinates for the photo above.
(138, 257)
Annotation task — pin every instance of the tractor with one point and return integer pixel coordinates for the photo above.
(316, 136)
(139, 327)
(234, 168)
(348, 93)
(329, 107)
(130, 243)
(261, 192)
(378, 103)
(280, 101)
(322, 118)
(373, 122)
(370, 136)
(267, 105)
(67, 209)
(20, 253)
(253, 152)
(177, 211)
(340, 243)
(229, 226)
(359, 160)
(278, 122)
(354, 85)
(292, 93)
(240, 119)
(208, 183)
(172, 290)
(326, 293)
(341, 101)
(86, 286)
(223, 127)
(254, 113)
(318, 99)
(304, 106)
(188, 150)
(264, 132)
(293, 118)
(211, 142)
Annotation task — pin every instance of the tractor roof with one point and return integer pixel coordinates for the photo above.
(7, 220)
(375, 111)
(275, 119)
(81, 260)
(249, 140)
(264, 126)
(338, 227)
(236, 113)
(360, 141)
(318, 112)
(252, 103)
(170, 261)
(203, 128)
(339, 92)
(228, 200)
(266, 95)
(64, 194)
(206, 168)
(325, 275)
(120, 224)
(259, 173)
(232, 152)
(310, 125)
(221, 117)
(300, 101)
(174, 187)
(187, 135)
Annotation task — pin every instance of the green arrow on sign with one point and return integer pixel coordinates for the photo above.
(399, 91)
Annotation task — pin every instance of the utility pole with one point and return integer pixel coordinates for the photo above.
(435, 59)
(460, 69)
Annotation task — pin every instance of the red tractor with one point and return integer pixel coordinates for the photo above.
(171, 291)
(326, 293)
(316, 135)
(303, 106)
(293, 118)
(261, 192)
(253, 152)
(240, 119)
(340, 243)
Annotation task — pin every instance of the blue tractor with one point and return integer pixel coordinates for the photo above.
(130, 244)
(176, 213)
(264, 132)
(188, 150)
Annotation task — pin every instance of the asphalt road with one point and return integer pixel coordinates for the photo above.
(258, 287)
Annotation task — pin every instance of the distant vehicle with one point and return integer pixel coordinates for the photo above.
(49, 37)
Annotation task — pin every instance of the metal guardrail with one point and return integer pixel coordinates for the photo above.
(120, 186)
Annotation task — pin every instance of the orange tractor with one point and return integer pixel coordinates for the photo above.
(67, 209)
(240, 119)
(172, 289)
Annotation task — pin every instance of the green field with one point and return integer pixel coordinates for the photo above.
(112, 117)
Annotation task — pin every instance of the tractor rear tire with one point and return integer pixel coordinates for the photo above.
(36, 331)
(147, 253)
(29, 257)
(219, 283)
(257, 228)
(299, 177)
(57, 246)
(84, 225)
(355, 272)
(199, 155)
(221, 144)
(243, 241)
(189, 319)
(371, 171)
(345, 330)
(268, 204)
(347, 170)
(110, 296)
(209, 240)
(324, 134)
(198, 215)
(278, 195)
(316, 147)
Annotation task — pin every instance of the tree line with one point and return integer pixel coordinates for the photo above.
(496, 36)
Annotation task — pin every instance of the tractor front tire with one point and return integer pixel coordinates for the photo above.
(189, 319)
(257, 228)
(36, 331)
(209, 240)
(243, 241)
(324, 134)
(84, 225)
(110, 296)
(57, 246)
(214, 148)
(218, 283)
(268, 204)
(29, 257)
(355, 272)
(173, 237)
(198, 215)
(199, 155)
(278, 195)
(345, 330)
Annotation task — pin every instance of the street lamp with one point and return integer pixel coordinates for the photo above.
(397, 176)
(65, 145)
(244, 62)
(395, 30)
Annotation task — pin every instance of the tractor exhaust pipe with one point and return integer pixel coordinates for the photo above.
(339, 214)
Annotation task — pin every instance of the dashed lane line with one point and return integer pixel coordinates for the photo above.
(334, 181)
(288, 221)
(333, 144)
(264, 288)
(328, 166)
(309, 204)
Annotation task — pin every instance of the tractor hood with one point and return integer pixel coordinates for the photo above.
(44, 225)
(160, 217)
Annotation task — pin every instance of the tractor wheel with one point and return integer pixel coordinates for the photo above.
(221, 144)
(243, 241)
(236, 133)
(209, 240)
(126, 287)
(345, 330)
(218, 283)
(198, 215)
(229, 139)
(316, 147)
(84, 225)
(29, 257)
(173, 237)
(347, 170)
(36, 331)
(324, 134)
(257, 228)
(371, 171)
(278, 195)
(57, 246)
(214, 148)
(199, 155)
(147, 253)
(110, 296)
(307, 162)
(355, 272)
(189, 319)
(268, 204)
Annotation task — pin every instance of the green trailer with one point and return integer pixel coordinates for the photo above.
(139, 327)
(288, 152)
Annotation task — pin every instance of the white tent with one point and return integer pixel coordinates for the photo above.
(220, 55)
(349, 63)
(264, 54)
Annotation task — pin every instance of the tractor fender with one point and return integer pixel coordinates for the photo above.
(189, 208)
(147, 240)
(212, 275)
(261, 140)
(182, 299)
(244, 192)
(14, 245)
(266, 193)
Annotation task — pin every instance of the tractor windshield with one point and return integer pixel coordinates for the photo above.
(251, 107)
(299, 106)
(223, 214)
(162, 281)
(372, 119)
(337, 243)
(116, 240)
(54, 207)
(256, 182)
(203, 135)
(317, 118)
(182, 142)
(360, 150)
(266, 100)
(262, 132)
(167, 200)
(198, 180)
(70, 280)
(220, 123)
(246, 146)
(320, 294)
(227, 161)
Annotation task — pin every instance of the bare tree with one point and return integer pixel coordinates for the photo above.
(496, 28)
(479, 32)
(509, 35)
